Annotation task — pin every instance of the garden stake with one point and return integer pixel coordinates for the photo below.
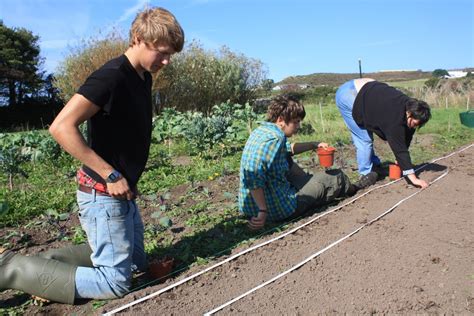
(321, 114)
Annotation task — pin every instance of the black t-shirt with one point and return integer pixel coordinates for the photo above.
(381, 109)
(120, 132)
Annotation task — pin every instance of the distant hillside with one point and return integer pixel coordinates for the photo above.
(335, 79)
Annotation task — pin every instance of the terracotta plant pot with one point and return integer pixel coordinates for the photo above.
(160, 268)
(394, 172)
(326, 156)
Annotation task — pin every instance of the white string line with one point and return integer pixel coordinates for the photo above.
(317, 253)
(171, 286)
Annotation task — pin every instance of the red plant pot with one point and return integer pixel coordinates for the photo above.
(394, 172)
(160, 268)
(326, 156)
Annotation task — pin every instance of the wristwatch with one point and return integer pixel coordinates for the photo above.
(113, 177)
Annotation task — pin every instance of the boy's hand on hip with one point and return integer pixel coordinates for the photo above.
(120, 190)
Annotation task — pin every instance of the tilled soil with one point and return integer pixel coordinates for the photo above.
(416, 259)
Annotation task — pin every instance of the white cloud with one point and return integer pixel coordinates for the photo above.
(133, 10)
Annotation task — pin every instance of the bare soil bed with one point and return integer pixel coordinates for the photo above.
(416, 259)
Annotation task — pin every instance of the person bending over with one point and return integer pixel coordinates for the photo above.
(368, 106)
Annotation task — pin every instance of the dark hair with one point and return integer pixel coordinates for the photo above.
(287, 106)
(419, 110)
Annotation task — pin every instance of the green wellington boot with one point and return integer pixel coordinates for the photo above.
(78, 255)
(46, 278)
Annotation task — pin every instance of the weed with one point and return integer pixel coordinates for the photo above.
(79, 236)
(98, 304)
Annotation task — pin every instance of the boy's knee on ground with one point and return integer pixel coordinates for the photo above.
(103, 282)
(118, 288)
(120, 282)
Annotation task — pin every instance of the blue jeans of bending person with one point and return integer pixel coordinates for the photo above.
(114, 231)
(363, 140)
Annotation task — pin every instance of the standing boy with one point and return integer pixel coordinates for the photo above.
(116, 101)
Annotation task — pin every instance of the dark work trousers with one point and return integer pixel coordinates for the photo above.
(316, 189)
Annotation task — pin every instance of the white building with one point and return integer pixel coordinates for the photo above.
(291, 86)
(455, 74)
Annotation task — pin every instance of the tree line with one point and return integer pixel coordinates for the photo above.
(196, 80)
(23, 83)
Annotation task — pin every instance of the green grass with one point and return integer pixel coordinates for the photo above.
(328, 125)
(409, 84)
(164, 174)
(445, 128)
(50, 185)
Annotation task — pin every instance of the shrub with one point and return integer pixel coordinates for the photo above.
(10, 160)
(432, 82)
(195, 80)
(228, 126)
(198, 79)
(440, 73)
(85, 59)
(168, 124)
(35, 146)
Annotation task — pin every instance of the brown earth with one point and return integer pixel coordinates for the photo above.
(416, 259)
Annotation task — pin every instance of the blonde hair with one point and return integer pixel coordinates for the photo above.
(157, 26)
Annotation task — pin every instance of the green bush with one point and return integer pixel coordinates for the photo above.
(168, 124)
(198, 79)
(438, 73)
(228, 126)
(85, 59)
(432, 82)
(195, 80)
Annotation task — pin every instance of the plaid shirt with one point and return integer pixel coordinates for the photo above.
(264, 165)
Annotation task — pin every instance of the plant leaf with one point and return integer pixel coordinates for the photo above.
(165, 222)
(156, 214)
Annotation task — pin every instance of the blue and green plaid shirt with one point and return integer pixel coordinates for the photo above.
(265, 165)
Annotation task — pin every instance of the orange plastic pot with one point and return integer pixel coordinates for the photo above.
(394, 172)
(326, 156)
(160, 268)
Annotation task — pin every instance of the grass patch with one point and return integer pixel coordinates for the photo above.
(50, 185)
(409, 84)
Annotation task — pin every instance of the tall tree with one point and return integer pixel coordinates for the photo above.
(20, 63)
(438, 73)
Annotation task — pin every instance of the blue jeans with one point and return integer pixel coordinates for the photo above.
(114, 231)
(363, 140)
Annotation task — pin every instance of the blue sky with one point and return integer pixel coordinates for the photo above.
(291, 37)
